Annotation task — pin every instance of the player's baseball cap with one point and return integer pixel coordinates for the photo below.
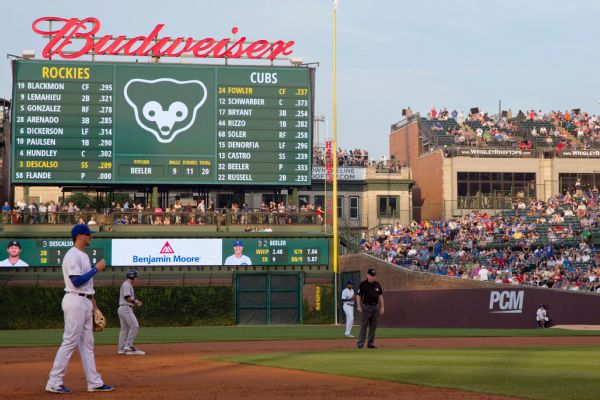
(81, 229)
(371, 272)
(238, 243)
(132, 274)
(349, 282)
(13, 243)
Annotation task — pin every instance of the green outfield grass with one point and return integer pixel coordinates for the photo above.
(529, 372)
(52, 337)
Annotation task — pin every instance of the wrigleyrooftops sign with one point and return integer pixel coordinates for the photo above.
(72, 38)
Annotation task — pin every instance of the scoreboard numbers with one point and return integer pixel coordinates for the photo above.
(282, 251)
(102, 123)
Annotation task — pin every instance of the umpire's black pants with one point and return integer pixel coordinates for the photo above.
(368, 320)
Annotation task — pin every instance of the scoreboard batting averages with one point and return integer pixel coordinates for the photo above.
(101, 123)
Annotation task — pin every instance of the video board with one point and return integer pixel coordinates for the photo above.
(178, 251)
(112, 123)
(50, 252)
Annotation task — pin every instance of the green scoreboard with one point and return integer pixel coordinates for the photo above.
(112, 123)
(50, 252)
(177, 251)
(281, 251)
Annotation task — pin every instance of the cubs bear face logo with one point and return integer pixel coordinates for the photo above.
(165, 107)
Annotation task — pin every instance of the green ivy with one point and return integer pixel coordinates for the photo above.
(40, 308)
(323, 316)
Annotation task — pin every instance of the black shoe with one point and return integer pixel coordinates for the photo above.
(359, 346)
(372, 346)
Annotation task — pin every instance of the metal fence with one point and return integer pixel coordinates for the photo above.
(222, 217)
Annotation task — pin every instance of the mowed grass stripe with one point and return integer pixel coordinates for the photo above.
(529, 372)
(52, 337)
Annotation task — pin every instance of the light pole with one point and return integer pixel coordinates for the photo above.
(335, 160)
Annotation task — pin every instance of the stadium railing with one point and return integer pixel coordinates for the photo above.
(165, 218)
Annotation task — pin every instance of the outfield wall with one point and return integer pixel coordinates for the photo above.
(416, 299)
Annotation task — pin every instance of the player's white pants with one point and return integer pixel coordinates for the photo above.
(129, 327)
(79, 332)
(349, 311)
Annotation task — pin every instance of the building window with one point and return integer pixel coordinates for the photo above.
(578, 183)
(303, 200)
(494, 190)
(387, 207)
(340, 207)
(353, 207)
(319, 201)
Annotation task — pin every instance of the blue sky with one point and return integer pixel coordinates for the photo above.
(391, 54)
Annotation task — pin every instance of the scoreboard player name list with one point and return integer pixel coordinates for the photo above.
(67, 122)
(63, 125)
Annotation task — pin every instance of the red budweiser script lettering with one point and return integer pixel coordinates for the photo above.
(62, 43)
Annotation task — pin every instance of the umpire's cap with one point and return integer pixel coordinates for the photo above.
(13, 243)
(81, 229)
(132, 274)
(371, 272)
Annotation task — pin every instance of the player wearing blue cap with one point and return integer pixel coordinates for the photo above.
(78, 305)
(348, 306)
(14, 256)
(237, 258)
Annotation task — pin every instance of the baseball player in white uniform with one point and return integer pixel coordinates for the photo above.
(14, 256)
(541, 316)
(78, 306)
(129, 323)
(348, 306)
(237, 258)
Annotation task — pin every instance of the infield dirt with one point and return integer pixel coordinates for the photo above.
(183, 371)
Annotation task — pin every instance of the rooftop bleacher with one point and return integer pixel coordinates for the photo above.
(554, 131)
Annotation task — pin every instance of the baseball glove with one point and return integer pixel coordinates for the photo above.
(99, 321)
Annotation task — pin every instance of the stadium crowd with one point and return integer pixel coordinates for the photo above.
(543, 243)
(268, 213)
(346, 158)
(573, 129)
(356, 158)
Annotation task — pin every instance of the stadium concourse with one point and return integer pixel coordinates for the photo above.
(542, 243)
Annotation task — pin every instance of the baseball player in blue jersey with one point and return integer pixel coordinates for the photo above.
(78, 306)
(129, 323)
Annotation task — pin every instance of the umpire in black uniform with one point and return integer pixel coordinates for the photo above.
(368, 296)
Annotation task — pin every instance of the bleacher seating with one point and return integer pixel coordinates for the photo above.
(538, 245)
(554, 130)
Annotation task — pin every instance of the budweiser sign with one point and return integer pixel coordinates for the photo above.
(65, 31)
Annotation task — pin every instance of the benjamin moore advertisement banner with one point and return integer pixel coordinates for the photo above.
(134, 252)
(165, 252)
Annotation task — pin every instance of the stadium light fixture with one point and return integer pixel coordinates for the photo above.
(28, 54)
(296, 61)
